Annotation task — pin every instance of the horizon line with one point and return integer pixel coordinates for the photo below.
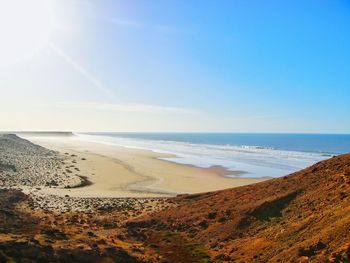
(178, 132)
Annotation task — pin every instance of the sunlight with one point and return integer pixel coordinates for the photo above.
(25, 26)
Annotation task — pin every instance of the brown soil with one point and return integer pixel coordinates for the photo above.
(301, 217)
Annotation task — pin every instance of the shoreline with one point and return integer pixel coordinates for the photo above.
(162, 156)
(116, 171)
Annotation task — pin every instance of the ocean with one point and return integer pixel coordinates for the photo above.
(258, 155)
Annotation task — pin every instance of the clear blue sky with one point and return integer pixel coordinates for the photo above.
(254, 66)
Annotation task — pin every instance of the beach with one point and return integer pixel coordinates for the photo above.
(112, 171)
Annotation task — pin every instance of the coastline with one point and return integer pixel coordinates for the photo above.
(53, 214)
(118, 172)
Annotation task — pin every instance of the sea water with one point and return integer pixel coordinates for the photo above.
(258, 155)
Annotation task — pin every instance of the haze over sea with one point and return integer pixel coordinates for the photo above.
(258, 155)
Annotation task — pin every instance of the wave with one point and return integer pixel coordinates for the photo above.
(255, 161)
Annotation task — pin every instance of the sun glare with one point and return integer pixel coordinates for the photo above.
(25, 26)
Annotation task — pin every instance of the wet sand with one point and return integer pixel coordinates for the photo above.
(115, 171)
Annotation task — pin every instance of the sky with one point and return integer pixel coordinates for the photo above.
(184, 65)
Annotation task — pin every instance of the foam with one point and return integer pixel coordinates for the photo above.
(257, 161)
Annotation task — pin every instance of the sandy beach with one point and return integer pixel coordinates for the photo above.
(114, 171)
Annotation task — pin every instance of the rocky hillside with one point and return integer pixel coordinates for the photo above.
(25, 164)
(11, 143)
(304, 216)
